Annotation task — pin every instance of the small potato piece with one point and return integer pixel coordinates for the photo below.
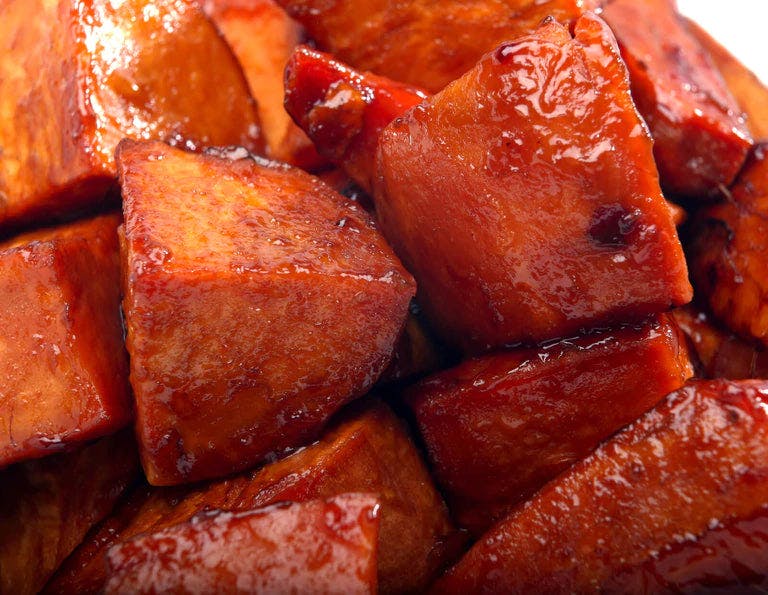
(728, 252)
(423, 42)
(313, 547)
(344, 111)
(700, 138)
(497, 428)
(524, 197)
(368, 451)
(63, 364)
(47, 507)
(258, 302)
(77, 76)
(697, 460)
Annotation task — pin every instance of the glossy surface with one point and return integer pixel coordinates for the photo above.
(697, 460)
(308, 301)
(727, 252)
(700, 138)
(717, 352)
(497, 428)
(368, 451)
(48, 506)
(315, 547)
(423, 42)
(342, 110)
(535, 208)
(63, 365)
(263, 36)
(139, 68)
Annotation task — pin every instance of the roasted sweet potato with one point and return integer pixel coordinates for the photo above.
(63, 364)
(344, 111)
(728, 252)
(717, 352)
(76, 76)
(263, 36)
(48, 506)
(497, 428)
(524, 198)
(695, 461)
(320, 546)
(258, 302)
(700, 138)
(367, 451)
(423, 42)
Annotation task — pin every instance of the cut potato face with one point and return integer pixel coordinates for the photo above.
(80, 75)
(63, 364)
(524, 197)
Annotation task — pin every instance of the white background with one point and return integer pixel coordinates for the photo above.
(740, 25)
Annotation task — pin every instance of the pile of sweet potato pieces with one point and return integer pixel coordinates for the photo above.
(352, 297)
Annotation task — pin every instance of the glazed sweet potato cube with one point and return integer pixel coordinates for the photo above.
(62, 358)
(535, 209)
(263, 36)
(258, 302)
(344, 111)
(498, 427)
(423, 42)
(47, 507)
(727, 248)
(696, 461)
(700, 138)
(746, 88)
(366, 451)
(77, 76)
(321, 546)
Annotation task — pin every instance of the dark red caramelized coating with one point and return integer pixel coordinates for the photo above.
(47, 506)
(77, 76)
(258, 302)
(728, 252)
(700, 138)
(423, 42)
(698, 460)
(524, 197)
(343, 111)
(63, 366)
(497, 428)
(320, 546)
(367, 451)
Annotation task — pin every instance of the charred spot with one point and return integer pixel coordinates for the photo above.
(614, 226)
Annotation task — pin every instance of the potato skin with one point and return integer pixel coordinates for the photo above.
(367, 450)
(62, 358)
(535, 209)
(422, 42)
(80, 75)
(498, 427)
(700, 137)
(320, 546)
(695, 461)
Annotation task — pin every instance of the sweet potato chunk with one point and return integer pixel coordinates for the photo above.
(497, 428)
(423, 42)
(729, 252)
(48, 506)
(258, 302)
(263, 36)
(695, 461)
(344, 111)
(76, 76)
(314, 547)
(535, 208)
(700, 138)
(367, 451)
(63, 365)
